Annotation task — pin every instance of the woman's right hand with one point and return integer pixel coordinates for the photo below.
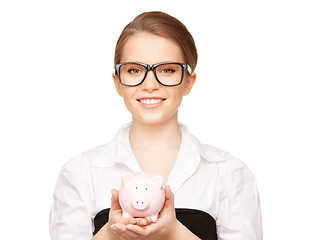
(117, 221)
(115, 213)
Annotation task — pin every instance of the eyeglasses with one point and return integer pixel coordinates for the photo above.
(168, 74)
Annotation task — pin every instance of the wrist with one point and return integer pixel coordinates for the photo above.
(180, 232)
(106, 232)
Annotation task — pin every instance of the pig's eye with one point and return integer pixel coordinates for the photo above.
(146, 189)
(136, 187)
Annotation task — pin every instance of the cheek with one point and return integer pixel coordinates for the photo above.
(128, 98)
(179, 99)
(177, 96)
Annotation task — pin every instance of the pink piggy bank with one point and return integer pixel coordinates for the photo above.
(141, 195)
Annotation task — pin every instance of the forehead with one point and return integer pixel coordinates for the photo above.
(149, 48)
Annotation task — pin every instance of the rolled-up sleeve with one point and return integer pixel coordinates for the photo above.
(239, 215)
(70, 213)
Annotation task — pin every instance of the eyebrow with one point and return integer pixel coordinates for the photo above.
(168, 61)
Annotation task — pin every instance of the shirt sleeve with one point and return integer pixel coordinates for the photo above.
(239, 215)
(70, 216)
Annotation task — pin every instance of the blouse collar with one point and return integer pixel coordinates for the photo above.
(119, 151)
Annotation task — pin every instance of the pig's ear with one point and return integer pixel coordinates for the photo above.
(157, 180)
(126, 178)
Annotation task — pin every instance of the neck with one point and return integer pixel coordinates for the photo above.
(155, 136)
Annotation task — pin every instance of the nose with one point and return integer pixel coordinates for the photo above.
(150, 82)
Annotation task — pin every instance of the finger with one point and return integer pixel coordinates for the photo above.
(118, 227)
(141, 221)
(149, 220)
(168, 207)
(169, 196)
(115, 205)
(139, 231)
(119, 230)
(129, 220)
(135, 229)
(123, 233)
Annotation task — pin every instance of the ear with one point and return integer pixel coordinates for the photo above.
(157, 180)
(117, 84)
(126, 178)
(190, 80)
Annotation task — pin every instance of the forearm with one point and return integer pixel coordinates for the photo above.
(105, 233)
(183, 233)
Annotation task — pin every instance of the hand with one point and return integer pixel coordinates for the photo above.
(115, 213)
(116, 221)
(162, 229)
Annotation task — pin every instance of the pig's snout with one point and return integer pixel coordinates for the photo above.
(140, 203)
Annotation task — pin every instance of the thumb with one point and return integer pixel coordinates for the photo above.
(115, 205)
(168, 207)
(169, 198)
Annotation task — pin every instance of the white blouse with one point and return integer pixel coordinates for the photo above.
(203, 178)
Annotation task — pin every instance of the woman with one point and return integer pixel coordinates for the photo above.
(209, 194)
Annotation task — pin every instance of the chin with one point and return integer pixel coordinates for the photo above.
(156, 120)
(148, 121)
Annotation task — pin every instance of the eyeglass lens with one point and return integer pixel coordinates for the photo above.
(168, 74)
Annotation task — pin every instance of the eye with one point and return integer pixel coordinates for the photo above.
(167, 70)
(136, 187)
(134, 71)
(146, 189)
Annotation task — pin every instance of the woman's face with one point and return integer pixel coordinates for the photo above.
(151, 102)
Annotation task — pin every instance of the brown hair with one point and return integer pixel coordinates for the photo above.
(163, 25)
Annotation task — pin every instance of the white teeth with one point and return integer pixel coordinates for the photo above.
(150, 101)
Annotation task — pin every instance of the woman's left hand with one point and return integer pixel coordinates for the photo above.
(162, 229)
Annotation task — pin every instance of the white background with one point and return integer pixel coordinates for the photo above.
(252, 97)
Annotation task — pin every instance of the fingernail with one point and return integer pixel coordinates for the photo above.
(132, 221)
(129, 227)
(115, 227)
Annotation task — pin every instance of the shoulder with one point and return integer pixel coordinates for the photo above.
(233, 174)
(105, 155)
(216, 155)
(226, 162)
(225, 159)
(92, 157)
(230, 169)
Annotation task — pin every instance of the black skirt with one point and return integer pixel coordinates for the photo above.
(198, 222)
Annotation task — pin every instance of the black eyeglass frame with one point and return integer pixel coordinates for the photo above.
(150, 67)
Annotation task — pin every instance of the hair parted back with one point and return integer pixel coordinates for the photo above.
(164, 25)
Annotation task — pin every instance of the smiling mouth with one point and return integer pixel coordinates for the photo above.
(151, 101)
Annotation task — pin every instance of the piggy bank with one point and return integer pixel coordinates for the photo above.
(141, 195)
